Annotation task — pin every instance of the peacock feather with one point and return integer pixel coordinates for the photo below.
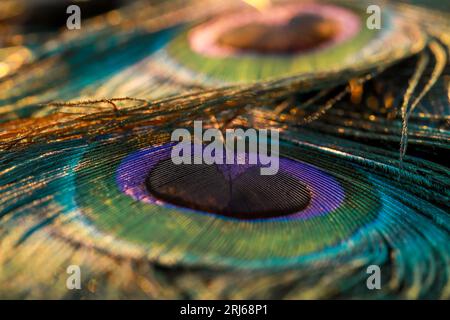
(86, 176)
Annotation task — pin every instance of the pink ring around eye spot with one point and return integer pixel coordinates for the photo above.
(203, 38)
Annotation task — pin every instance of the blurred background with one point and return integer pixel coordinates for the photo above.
(34, 15)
